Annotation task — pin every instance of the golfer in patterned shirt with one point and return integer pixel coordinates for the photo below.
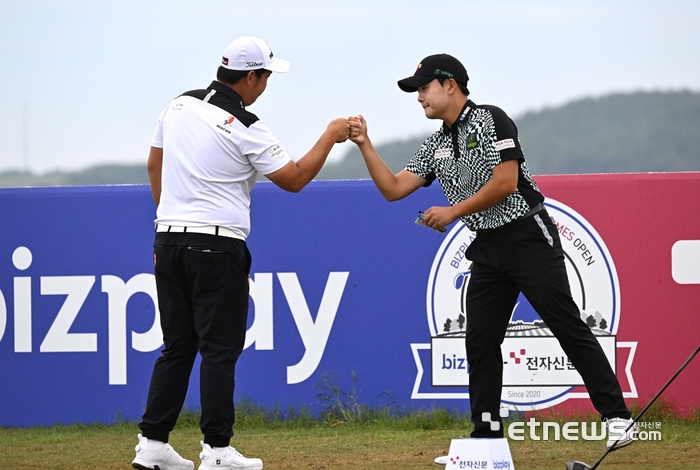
(477, 158)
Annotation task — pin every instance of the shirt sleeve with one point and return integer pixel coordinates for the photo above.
(263, 150)
(506, 142)
(422, 163)
(157, 139)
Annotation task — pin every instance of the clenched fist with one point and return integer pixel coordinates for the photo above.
(340, 129)
(358, 129)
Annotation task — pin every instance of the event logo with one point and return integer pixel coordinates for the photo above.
(537, 373)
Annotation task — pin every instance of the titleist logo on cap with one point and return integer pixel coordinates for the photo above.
(249, 53)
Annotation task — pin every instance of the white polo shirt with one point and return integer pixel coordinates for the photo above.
(213, 150)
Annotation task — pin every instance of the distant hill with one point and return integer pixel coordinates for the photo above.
(636, 132)
(633, 132)
(97, 175)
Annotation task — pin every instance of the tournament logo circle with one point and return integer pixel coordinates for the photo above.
(594, 287)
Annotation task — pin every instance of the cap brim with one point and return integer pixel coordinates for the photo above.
(411, 84)
(278, 66)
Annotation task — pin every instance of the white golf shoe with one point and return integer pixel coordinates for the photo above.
(156, 455)
(620, 433)
(227, 458)
(442, 460)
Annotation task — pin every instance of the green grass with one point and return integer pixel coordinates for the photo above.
(346, 436)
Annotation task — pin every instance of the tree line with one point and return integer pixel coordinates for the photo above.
(616, 133)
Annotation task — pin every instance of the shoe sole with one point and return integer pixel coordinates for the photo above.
(141, 466)
(241, 468)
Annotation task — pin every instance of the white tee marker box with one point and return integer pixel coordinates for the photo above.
(685, 261)
(490, 454)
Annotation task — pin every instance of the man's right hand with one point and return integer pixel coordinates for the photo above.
(358, 129)
(339, 129)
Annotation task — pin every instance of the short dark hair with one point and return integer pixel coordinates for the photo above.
(463, 88)
(230, 77)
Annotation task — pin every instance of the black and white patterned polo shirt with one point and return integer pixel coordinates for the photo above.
(462, 159)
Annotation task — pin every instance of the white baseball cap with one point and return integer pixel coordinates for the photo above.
(249, 53)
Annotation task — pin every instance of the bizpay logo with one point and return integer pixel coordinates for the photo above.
(79, 291)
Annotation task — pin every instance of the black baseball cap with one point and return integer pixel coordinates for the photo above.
(432, 67)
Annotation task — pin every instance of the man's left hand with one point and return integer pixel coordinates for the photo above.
(439, 216)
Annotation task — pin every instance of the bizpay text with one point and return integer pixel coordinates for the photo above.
(314, 333)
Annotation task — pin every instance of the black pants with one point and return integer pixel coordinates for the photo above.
(202, 283)
(519, 258)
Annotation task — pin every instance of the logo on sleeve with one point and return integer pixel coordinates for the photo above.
(504, 144)
(442, 153)
(275, 151)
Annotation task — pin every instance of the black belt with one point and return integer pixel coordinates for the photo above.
(206, 229)
(530, 213)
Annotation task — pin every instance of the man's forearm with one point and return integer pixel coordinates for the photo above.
(155, 169)
(155, 186)
(491, 194)
(311, 163)
(381, 174)
(503, 183)
(294, 176)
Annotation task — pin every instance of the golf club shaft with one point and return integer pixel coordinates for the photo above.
(649, 404)
(668, 383)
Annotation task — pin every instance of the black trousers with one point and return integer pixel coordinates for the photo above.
(519, 258)
(202, 283)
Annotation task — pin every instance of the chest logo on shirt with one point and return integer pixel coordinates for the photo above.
(504, 144)
(226, 127)
(472, 141)
(442, 153)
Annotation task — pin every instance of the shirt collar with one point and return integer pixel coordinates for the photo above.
(463, 117)
(226, 90)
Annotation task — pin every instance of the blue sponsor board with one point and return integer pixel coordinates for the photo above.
(338, 287)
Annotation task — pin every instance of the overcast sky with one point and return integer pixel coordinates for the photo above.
(83, 82)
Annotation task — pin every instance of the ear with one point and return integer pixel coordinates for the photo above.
(250, 77)
(451, 86)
